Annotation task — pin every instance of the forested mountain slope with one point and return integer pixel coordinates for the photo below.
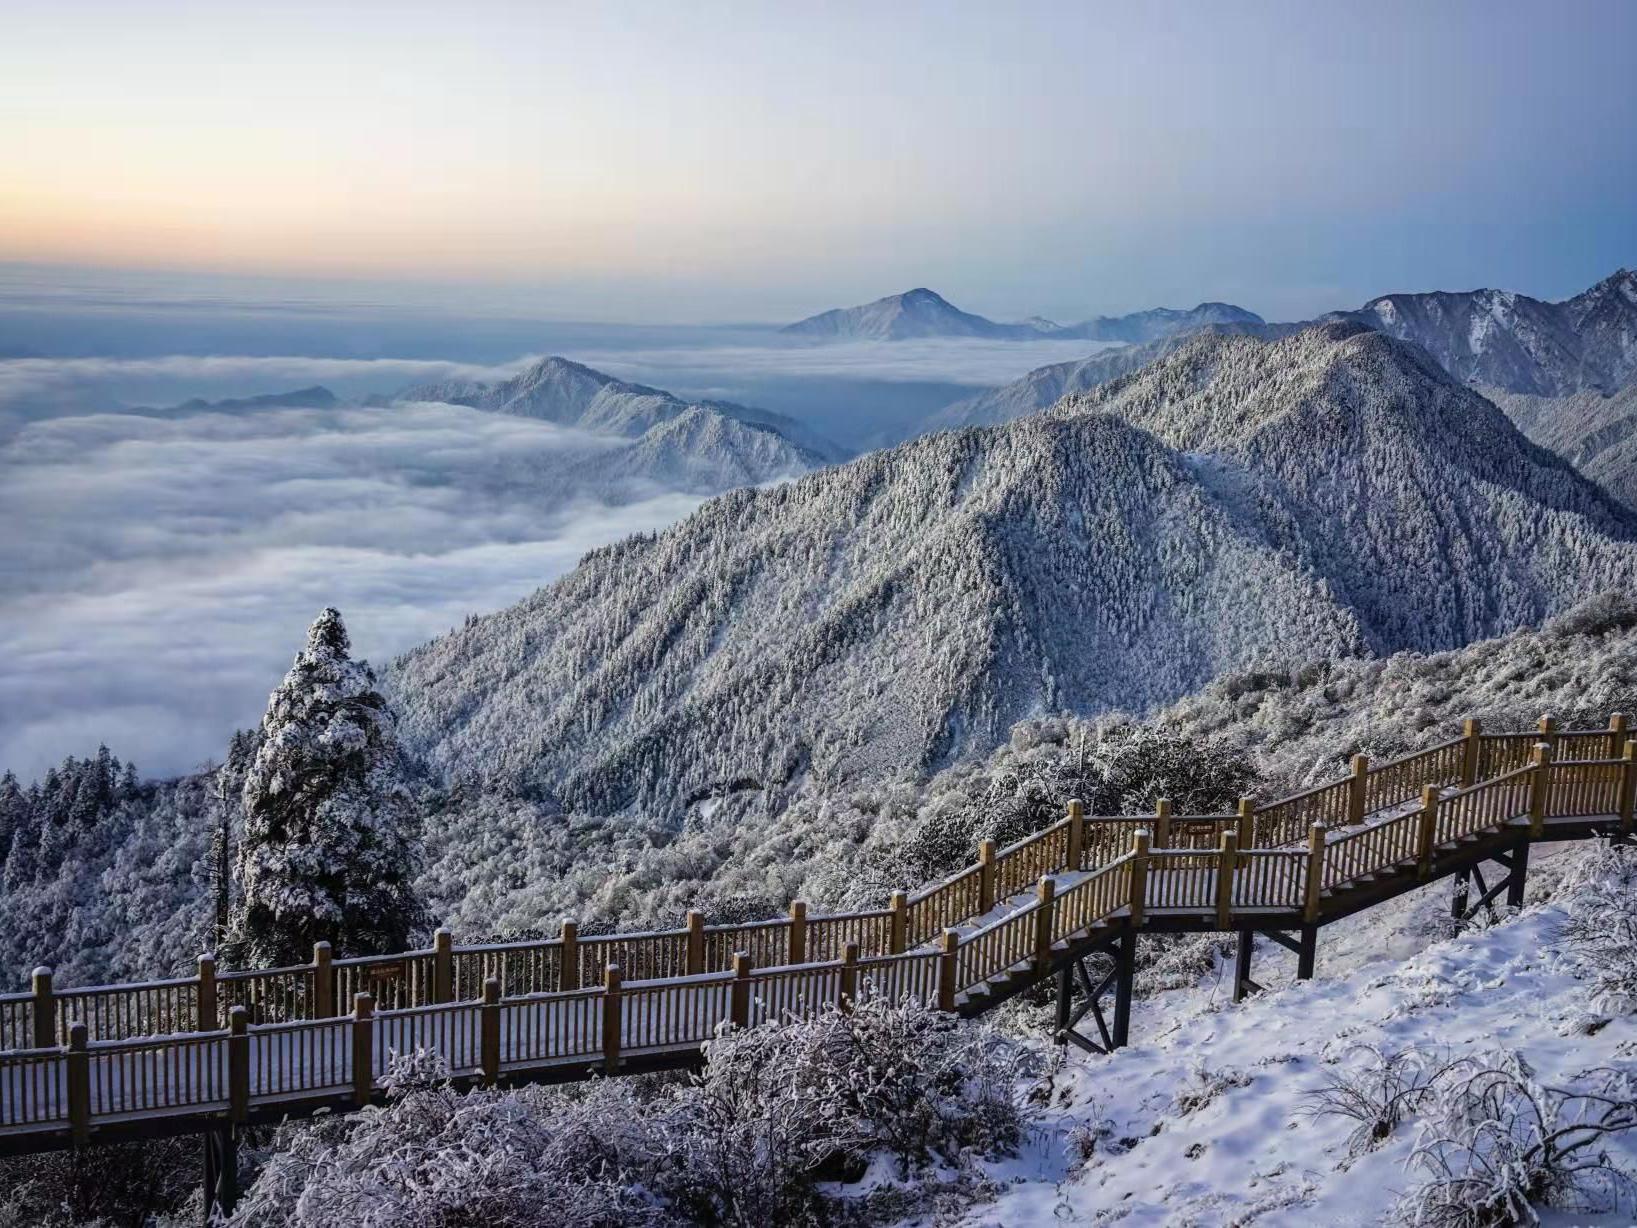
(1595, 433)
(1237, 502)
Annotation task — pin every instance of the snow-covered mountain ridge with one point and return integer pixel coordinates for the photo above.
(1238, 501)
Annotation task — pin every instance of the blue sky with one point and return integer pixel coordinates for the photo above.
(710, 162)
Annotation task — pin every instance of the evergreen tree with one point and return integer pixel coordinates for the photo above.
(329, 824)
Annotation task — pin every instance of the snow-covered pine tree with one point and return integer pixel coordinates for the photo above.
(330, 828)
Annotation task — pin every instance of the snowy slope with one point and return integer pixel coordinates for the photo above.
(1328, 494)
(1594, 432)
(898, 317)
(1388, 980)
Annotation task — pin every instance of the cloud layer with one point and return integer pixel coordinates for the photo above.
(158, 574)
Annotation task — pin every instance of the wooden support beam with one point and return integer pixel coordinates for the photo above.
(489, 1032)
(1426, 841)
(238, 1064)
(849, 978)
(45, 1009)
(1139, 875)
(443, 965)
(568, 958)
(694, 961)
(1227, 862)
(1244, 952)
(1077, 835)
(1305, 956)
(739, 992)
(78, 1080)
(1046, 897)
(1472, 731)
(612, 1008)
(363, 1048)
(798, 932)
(948, 970)
(1517, 875)
(1357, 785)
(205, 1018)
(322, 1005)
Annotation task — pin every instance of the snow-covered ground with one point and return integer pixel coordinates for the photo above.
(1247, 1151)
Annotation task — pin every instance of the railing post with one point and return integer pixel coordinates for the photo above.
(849, 977)
(1227, 861)
(1471, 750)
(1628, 784)
(443, 965)
(45, 1009)
(1245, 834)
(739, 991)
(238, 1064)
(1356, 790)
(323, 982)
(363, 1047)
(1540, 785)
(1162, 823)
(695, 958)
(568, 958)
(1139, 875)
(1077, 833)
(897, 937)
(489, 1034)
(798, 932)
(79, 1083)
(948, 970)
(205, 1003)
(1314, 894)
(1427, 836)
(612, 999)
(1617, 733)
(1046, 895)
(1548, 731)
(986, 876)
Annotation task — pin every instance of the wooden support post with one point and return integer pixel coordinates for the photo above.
(695, 958)
(1306, 950)
(1472, 731)
(948, 970)
(45, 1009)
(323, 1003)
(1426, 842)
(205, 1000)
(363, 1047)
(221, 1148)
(897, 935)
(1517, 875)
(1139, 875)
(1046, 894)
(1125, 974)
(1313, 896)
(238, 1064)
(798, 932)
(1245, 951)
(568, 958)
(1617, 734)
(1162, 823)
(986, 876)
(489, 1032)
(443, 965)
(612, 1011)
(1628, 784)
(849, 977)
(1245, 832)
(1540, 790)
(1077, 835)
(739, 992)
(1548, 731)
(1356, 790)
(79, 1083)
(1227, 861)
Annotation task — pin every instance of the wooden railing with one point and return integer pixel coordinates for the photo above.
(582, 1001)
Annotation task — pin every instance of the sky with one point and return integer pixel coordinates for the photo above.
(710, 162)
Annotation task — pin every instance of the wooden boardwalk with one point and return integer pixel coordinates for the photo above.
(221, 1049)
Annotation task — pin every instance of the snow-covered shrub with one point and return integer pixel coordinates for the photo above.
(1597, 615)
(1375, 1097)
(115, 1183)
(1598, 938)
(1494, 1144)
(1205, 1085)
